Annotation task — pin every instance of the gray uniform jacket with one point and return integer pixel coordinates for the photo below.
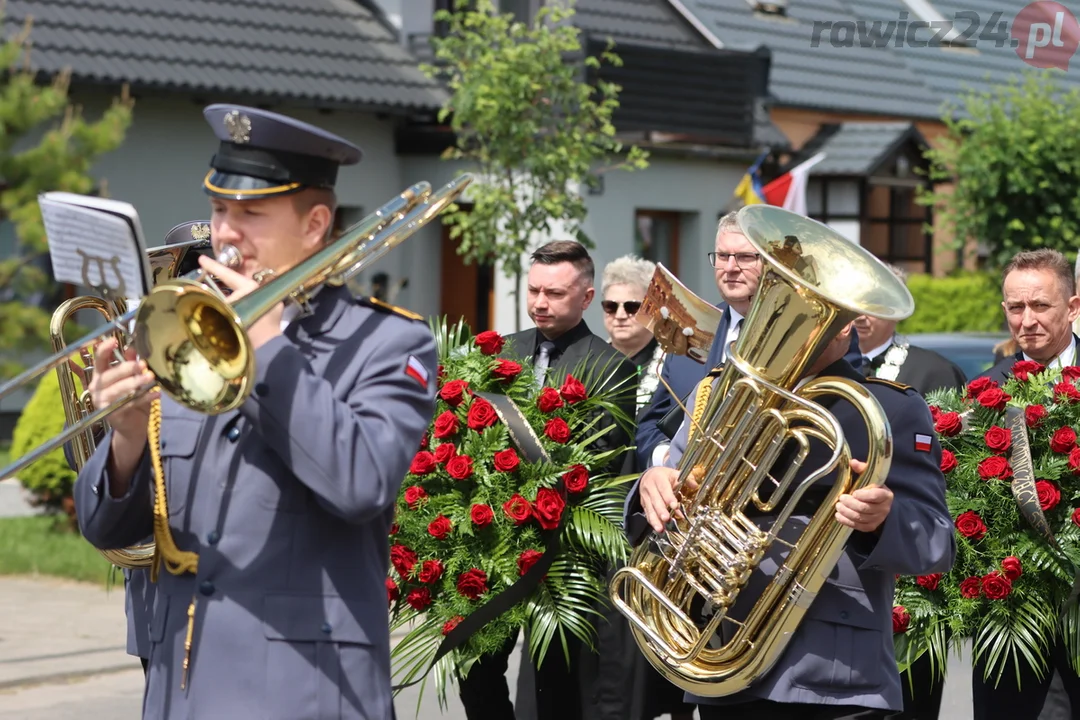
(288, 501)
(842, 652)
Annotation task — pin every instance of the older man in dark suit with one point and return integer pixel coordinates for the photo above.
(1039, 298)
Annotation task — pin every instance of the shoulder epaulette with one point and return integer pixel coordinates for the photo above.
(891, 383)
(377, 304)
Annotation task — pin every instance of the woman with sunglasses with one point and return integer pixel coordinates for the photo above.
(623, 289)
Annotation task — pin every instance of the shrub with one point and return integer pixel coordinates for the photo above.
(49, 478)
(965, 301)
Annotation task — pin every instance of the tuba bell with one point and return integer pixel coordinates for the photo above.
(814, 282)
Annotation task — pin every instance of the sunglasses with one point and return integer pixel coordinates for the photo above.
(630, 306)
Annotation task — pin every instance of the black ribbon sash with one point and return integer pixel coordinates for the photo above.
(528, 444)
(1027, 497)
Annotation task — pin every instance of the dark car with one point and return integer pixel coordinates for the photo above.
(972, 351)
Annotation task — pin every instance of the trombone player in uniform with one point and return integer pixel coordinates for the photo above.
(270, 520)
(824, 650)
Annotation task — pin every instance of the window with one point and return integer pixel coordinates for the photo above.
(893, 228)
(656, 237)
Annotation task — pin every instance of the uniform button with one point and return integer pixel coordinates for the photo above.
(327, 628)
(261, 389)
(234, 433)
(96, 490)
(843, 614)
(206, 588)
(162, 442)
(213, 537)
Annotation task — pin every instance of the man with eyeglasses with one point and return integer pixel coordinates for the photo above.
(737, 267)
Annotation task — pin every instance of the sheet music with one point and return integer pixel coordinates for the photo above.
(94, 247)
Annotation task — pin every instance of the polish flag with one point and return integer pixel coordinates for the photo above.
(922, 442)
(789, 190)
(416, 370)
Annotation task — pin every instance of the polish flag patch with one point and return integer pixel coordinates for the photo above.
(416, 370)
(922, 443)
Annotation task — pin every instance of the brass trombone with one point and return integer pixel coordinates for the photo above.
(195, 342)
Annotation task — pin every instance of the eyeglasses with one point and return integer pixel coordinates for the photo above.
(743, 260)
(630, 306)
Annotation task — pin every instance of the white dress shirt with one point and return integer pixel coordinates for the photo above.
(1066, 358)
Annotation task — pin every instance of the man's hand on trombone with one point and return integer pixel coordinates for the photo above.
(265, 328)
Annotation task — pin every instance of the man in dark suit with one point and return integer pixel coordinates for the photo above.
(560, 289)
(889, 356)
(1039, 298)
(840, 662)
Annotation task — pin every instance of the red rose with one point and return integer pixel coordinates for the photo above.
(995, 467)
(996, 586)
(481, 414)
(403, 559)
(394, 529)
(971, 525)
(948, 461)
(507, 460)
(549, 400)
(490, 342)
(998, 439)
(900, 619)
(1012, 567)
(472, 583)
(1074, 460)
(978, 385)
(949, 424)
(451, 624)
(392, 593)
(935, 412)
(994, 398)
(1076, 517)
(439, 528)
(506, 370)
(423, 462)
(1049, 495)
(1066, 392)
(1070, 372)
(481, 515)
(459, 467)
(576, 478)
(930, 582)
(1022, 369)
(430, 571)
(445, 452)
(453, 392)
(424, 442)
(557, 430)
(971, 588)
(419, 598)
(1034, 415)
(1063, 440)
(414, 495)
(572, 390)
(517, 509)
(446, 425)
(548, 508)
(527, 559)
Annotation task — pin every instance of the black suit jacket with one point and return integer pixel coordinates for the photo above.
(1002, 371)
(581, 345)
(926, 371)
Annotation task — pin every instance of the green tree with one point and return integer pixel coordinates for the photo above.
(530, 125)
(60, 160)
(1013, 162)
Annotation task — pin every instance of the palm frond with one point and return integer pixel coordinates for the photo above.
(1018, 635)
(589, 529)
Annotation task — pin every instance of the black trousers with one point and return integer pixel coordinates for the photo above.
(485, 694)
(924, 702)
(769, 710)
(1023, 701)
(145, 665)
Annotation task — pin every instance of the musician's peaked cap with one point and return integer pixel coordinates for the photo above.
(264, 154)
(191, 231)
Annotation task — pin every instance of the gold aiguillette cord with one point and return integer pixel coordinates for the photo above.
(176, 561)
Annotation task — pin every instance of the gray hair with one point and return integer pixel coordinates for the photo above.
(628, 270)
(728, 223)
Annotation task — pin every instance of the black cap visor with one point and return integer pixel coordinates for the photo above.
(244, 187)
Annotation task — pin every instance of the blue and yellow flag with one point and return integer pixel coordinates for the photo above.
(749, 190)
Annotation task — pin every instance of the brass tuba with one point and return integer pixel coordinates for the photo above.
(814, 282)
(166, 263)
